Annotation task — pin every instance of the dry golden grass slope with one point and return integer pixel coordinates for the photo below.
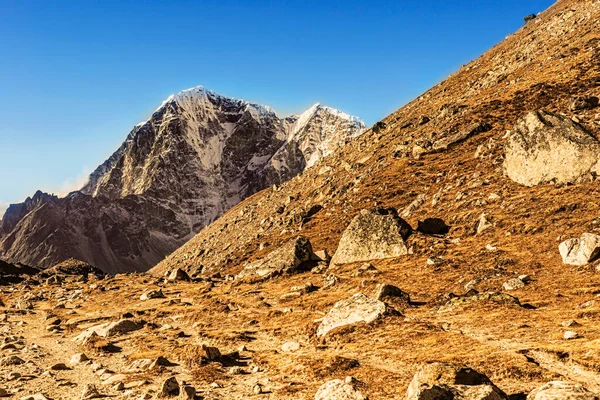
(542, 66)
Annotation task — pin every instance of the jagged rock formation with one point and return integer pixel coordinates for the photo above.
(198, 155)
(546, 147)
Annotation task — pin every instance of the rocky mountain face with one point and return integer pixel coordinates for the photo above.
(198, 155)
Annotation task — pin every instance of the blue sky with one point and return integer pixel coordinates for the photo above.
(76, 76)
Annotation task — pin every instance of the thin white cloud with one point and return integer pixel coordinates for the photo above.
(67, 186)
(3, 207)
(73, 183)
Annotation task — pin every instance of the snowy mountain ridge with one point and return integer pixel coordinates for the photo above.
(199, 154)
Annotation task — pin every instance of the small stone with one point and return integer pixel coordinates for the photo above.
(569, 335)
(90, 392)
(587, 304)
(235, 370)
(187, 392)
(569, 323)
(290, 347)
(338, 389)
(525, 278)
(13, 376)
(11, 360)
(384, 290)
(152, 294)
(178, 275)
(170, 387)
(211, 353)
(78, 358)
(59, 367)
(257, 389)
(513, 284)
(483, 223)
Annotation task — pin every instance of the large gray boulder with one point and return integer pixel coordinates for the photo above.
(580, 251)
(441, 381)
(354, 309)
(372, 235)
(286, 259)
(560, 390)
(549, 148)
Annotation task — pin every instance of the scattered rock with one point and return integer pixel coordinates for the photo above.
(78, 358)
(483, 223)
(433, 226)
(549, 148)
(513, 284)
(366, 269)
(330, 281)
(338, 390)
(434, 260)
(584, 103)
(152, 294)
(493, 297)
(169, 388)
(569, 323)
(211, 353)
(286, 259)
(322, 255)
(257, 389)
(90, 392)
(289, 347)
(109, 329)
(384, 290)
(357, 308)
(558, 390)
(441, 381)
(569, 335)
(580, 251)
(178, 275)
(373, 235)
(529, 17)
(11, 360)
(59, 367)
(187, 392)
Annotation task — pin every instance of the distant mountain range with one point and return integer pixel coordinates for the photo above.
(198, 155)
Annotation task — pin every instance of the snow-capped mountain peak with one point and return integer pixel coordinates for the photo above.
(199, 154)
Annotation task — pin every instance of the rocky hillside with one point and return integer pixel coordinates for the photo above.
(504, 152)
(198, 155)
(450, 252)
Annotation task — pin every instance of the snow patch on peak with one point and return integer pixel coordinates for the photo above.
(305, 118)
(201, 95)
